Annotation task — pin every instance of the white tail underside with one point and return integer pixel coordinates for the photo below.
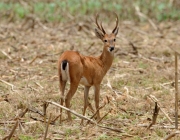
(65, 73)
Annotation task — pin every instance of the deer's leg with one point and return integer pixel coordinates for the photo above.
(72, 90)
(97, 92)
(62, 88)
(86, 103)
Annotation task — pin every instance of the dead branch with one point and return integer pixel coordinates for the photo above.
(109, 85)
(83, 117)
(154, 99)
(71, 111)
(36, 111)
(38, 56)
(16, 124)
(169, 83)
(155, 114)
(95, 113)
(7, 83)
(9, 122)
(53, 121)
(12, 131)
(104, 116)
(8, 56)
(37, 119)
(171, 135)
(22, 113)
(157, 126)
(47, 126)
(38, 84)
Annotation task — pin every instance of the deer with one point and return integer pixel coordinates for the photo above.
(86, 70)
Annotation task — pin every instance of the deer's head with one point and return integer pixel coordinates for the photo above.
(108, 39)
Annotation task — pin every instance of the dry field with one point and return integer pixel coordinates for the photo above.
(143, 69)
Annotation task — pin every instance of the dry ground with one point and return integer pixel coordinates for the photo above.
(143, 67)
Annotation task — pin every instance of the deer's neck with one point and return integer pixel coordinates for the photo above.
(107, 58)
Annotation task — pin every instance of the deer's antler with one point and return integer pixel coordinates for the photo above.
(100, 27)
(117, 20)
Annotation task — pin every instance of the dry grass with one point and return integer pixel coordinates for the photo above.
(28, 73)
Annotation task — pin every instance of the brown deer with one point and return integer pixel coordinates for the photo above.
(86, 70)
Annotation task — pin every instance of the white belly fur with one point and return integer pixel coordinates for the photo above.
(84, 81)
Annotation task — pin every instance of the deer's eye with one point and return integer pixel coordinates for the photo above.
(114, 40)
(105, 40)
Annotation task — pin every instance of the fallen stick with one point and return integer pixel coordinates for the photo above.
(7, 83)
(34, 110)
(171, 135)
(153, 98)
(95, 113)
(16, 124)
(8, 56)
(38, 56)
(71, 111)
(83, 117)
(39, 120)
(157, 126)
(104, 116)
(53, 121)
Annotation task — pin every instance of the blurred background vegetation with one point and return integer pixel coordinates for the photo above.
(62, 10)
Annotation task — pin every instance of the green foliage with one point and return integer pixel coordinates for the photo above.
(103, 137)
(24, 137)
(56, 10)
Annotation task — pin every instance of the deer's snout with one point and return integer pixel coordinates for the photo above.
(111, 48)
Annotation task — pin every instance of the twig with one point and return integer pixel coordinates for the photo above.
(38, 56)
(157, 126)
(16, 124)
(169, 83)
(171, 135)
(7, 83)
(153, 98)
(95, 113)
(83, 117)
(109, 85)
(47, 126)
(155, 114)
(36, 111)
(53, 121)
(9, 122)
(104, 116)
(71, 111)
(37, 119)
(3, 52)
(39, 85)
(33, 60)
(99, 109)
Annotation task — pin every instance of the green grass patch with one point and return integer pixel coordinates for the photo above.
(58, 10)
(25, 137)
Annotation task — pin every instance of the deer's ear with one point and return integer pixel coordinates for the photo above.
(99, 34)
(115, 31)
